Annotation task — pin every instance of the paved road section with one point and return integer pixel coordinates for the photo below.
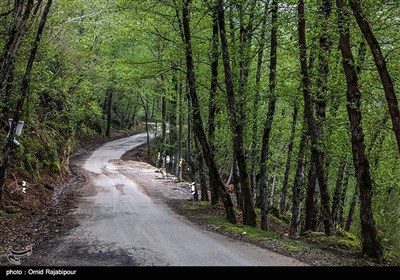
(120, 225)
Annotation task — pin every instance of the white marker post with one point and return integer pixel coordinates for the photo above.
(18, 130)
(193, 191)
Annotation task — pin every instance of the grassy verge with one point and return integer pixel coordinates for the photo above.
(314, 248)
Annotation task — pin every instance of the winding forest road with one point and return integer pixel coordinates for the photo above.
(119, 224)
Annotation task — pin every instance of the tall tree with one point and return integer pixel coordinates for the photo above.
(316, 151)
(321, 93)
(381, 66)
(371, 246)
(270, 116)
(298, 182)
(337, 195)
(110, 92)
(212, 105)
(282, 202)
(236, 120)
(260, 60)
(197, 119)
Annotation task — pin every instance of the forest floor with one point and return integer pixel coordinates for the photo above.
(44, 215)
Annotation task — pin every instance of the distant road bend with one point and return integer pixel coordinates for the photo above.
(120, 225)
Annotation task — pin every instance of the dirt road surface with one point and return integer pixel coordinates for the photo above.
(122, 223)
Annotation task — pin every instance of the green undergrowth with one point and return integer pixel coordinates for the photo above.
(257, 234)
(391, 256)
(345, 246)
(199, 205)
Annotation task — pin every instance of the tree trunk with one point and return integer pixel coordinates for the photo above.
(317, 153)
(236, 120)
(189, 151)
(282, 202)
(245, 38)
(338, 191)
(179, 155)
(371, 246)
(270, 117)
(203, 179)
(109, 111)
(352, 210)
(297, 185)
(20, 104)
(380, 64)
(146, 121)
(311, 219)
(236, 183)
(374, 139)
(173, 137)
(212, 105)
(343, 197)
(325, 46)
(197, 120)
(254, 139)
(162, 150)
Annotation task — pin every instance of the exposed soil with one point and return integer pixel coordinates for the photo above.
(41, 217)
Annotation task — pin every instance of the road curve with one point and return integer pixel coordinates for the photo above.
(120, 225)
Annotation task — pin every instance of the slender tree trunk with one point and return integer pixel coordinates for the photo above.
(380, 64)
(269, 119)
(325, 46)
(376, 142)
(260, 54)
(343, 198)
(371, 246)
(352, 210)
(236, 114)
(203, 179)
(282, 202)
(245, 38)
(163, 130)
(236, 183)
(297, 185)
(23, 95)
(212, 106)
(374, 139)
(189, 151)
(338, 191)
(311, 218)
(379, 151)
(153, 110)
(317, 153)
(197, 120)
(104, 107)
(109, 111)
(146, 121)
(173, 137)
(179, 155)
(273, 181)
